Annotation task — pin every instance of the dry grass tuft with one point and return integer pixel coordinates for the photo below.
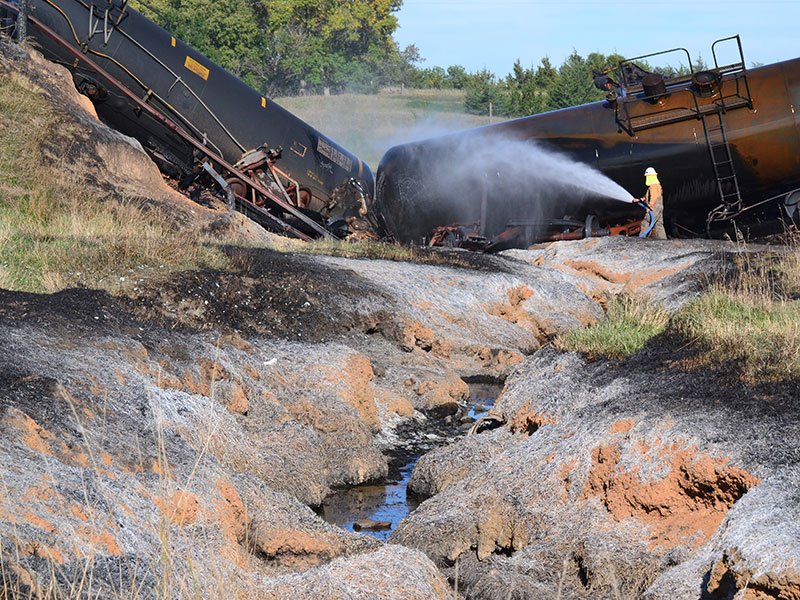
(629, 324)
(55, 234)
(76, 240)
(788, 270)
(760, 335)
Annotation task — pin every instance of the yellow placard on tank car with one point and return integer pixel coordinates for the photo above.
(196, 68)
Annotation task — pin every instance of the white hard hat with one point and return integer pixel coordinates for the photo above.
(650, 171)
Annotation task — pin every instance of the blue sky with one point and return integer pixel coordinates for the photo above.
(478, 34)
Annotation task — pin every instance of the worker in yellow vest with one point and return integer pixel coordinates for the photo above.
(654, 198)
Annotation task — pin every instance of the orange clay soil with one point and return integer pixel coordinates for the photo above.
(688, 504)
(181, 508)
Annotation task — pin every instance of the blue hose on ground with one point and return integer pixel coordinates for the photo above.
(652, 216)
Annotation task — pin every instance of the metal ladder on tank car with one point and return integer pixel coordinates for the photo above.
(722, 163)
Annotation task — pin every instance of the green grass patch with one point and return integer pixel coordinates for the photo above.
(628, 325)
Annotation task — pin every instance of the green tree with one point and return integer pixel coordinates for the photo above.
(457, 77)
(285, 45)
(328, 34)
(482, 90)
(521, 91)
(527, 91)
(546, 74)
(207, 26)
(574, 84)
(430, 78)
(401, 66)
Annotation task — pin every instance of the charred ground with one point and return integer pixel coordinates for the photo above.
(262, 293)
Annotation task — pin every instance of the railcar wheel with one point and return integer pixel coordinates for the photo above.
(305, 197)
(238, 186)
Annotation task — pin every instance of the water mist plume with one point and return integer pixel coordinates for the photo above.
(535, 176)
(496, 180)
(537, 165)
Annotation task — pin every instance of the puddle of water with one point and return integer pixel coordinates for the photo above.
(481, 398)
(387, 502)
(390, 502)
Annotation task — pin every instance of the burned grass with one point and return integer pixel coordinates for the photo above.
(261, 292)
(447, 257)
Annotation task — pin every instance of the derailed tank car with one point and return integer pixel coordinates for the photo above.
(271, 148)
(725, 142)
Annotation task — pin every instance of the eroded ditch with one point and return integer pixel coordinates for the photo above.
(377, 509)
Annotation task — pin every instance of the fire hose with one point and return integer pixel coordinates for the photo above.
(651, 215)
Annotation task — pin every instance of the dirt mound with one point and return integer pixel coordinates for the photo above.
(630, 483)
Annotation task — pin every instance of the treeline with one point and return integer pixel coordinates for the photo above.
(285, 47)
(289, 47)
(530, 90)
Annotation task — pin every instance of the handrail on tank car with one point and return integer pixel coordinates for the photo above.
(694, 110)
(735, 66)
(623, 79)
(740, 67)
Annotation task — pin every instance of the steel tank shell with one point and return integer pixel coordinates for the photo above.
(423, 185)
(187, 87)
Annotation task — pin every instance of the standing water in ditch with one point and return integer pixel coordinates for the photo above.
(366, 507)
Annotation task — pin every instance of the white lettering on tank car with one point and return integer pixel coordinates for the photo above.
(337, 156)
